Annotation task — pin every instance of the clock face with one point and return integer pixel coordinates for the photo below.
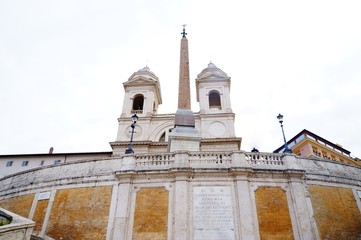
(137, 131)
(217, 129)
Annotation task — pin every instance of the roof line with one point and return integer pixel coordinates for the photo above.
(316, 137)
(53, 154)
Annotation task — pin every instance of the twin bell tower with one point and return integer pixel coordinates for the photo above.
(211, 129)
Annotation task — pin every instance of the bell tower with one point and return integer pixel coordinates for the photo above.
(213, 91)
(213, 94)
(142, 94)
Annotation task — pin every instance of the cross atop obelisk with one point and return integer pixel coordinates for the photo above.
(184, 30)
(184, 96)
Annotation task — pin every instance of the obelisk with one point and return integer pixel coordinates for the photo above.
(184, 135)
(184, 95)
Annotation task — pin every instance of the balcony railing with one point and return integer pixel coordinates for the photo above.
(154, 160)
(264, 159)
(215, 107)
(137, 111)
(210, 158)
(203, 160)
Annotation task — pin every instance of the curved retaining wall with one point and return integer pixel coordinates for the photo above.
(178, 196)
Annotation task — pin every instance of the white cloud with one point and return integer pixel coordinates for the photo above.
(62, 65)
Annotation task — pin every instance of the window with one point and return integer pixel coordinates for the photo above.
(291, 144)
(25, 163)
(9, 163)
(162, 138)
(214, 100)
(138, 103)
(299, 139)
(57, 161)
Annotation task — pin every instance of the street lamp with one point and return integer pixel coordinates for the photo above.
(134, 121)
(280, 119)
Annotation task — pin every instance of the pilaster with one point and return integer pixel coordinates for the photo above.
(246, 215)
(121, 221)
(181, 212)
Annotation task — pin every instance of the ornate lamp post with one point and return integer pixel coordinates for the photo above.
(134, 121)
(280, 120)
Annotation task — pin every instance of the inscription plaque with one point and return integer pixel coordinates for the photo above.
(213, 213)
(44, 195)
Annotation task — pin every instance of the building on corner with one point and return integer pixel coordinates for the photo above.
(308, 144)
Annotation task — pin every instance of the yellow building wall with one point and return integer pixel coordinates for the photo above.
(39, 214)
(151, 214)
(20, 205)
(273, 214)
(80, 213)
(336, 212)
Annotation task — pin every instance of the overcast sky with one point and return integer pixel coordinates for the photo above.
(62, 65)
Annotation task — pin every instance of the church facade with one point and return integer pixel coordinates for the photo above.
(187, 178)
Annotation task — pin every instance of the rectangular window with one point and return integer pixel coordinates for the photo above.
(9, 163)
(25, 163)
(300, 138)
(57, 161)
(310, 137)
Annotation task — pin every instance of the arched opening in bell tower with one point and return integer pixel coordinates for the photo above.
(138, 103)
(214, 100)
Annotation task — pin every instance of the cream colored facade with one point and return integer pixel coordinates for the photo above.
(214, 121)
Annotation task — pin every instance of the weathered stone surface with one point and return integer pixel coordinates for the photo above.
(273, 214)
(151, 214)
(39, 214)
(78, 203)
(184, 117)
(80, 213)
(184, 93)
(20, 205)
(213, 213)
(336, 212)
(19, 228)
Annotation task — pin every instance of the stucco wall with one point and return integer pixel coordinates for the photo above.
(151, 196)
(39, 214)
(151, 214)
(80, 213)
(20, 205)
(273, 213)
(336, 212)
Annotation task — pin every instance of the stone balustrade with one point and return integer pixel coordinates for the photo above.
(264, 158)
(203, 160)
(154, 160)
(210, 158)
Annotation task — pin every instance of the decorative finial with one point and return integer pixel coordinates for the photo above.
(184, 30)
